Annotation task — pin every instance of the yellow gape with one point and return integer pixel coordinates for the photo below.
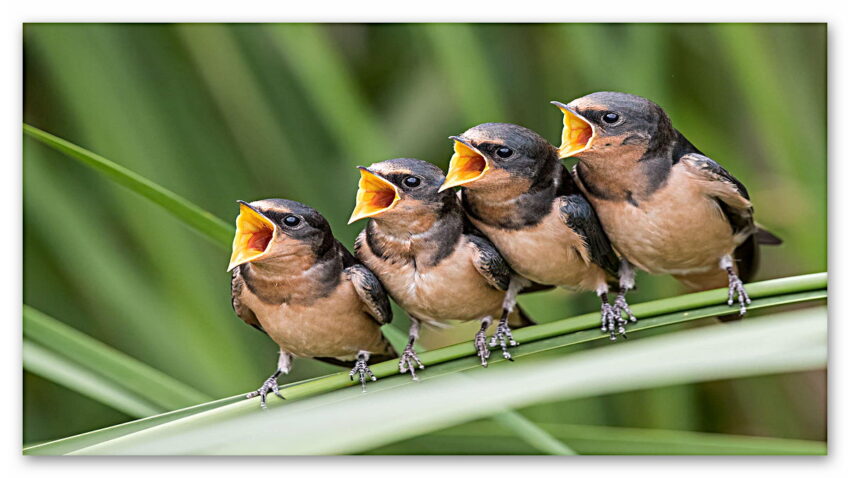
(578, 133)
(467, 165)
(254, 233)
(374, 196)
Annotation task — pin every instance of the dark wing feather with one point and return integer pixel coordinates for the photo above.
(242, 310)
(579, 215)
(371, 293)
(489, 263)
(733, 198)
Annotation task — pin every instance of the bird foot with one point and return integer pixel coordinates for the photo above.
(736, 287)
(481, 347)
(612, 321)
(410, 362)
(622, 307)
(363, 371)
(269, 385)
(504, 339)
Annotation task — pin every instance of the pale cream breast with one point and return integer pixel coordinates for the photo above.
(333, 326)
(677, 230)
(548, 253)
(451, 290)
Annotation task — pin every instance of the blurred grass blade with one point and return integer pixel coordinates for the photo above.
(333, 90)
(788, 342)
(202, 221)
(463, 61)
(532, 434)
(46, 363)
(81, 352)
(482, 437)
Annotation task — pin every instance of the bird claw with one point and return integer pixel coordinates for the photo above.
(481, 347)
(736, 286)
(409, 362)
(622, 307)
(504, 339)
(612, 321)
(363, 371)
(269, 385)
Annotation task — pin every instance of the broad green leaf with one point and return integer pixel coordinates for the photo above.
(786, 342)
(123, 371)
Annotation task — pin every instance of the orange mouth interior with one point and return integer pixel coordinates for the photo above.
(466, 165)
(577, 135)
(254, 233)
(374, 196)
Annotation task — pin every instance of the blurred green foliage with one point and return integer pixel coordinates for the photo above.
(218, 113)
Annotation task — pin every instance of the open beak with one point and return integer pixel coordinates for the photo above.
(578, 133)
(374, 195)
(254, 233)
(467, 165)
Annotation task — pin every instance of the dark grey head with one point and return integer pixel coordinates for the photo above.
(495, 155)
(604, 122)
(269, 229)
(400, 189)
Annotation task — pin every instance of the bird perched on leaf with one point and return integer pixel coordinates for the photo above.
(517, 192)
(667, 207)
(294, 281)
(432, 263)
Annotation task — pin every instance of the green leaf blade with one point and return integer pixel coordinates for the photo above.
(202, 221)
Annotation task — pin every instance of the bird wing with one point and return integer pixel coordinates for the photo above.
(371, 292)
(489, 263)
(237, 283)
(579, 215)
(730, 194)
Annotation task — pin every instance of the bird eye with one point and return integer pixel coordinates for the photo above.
(412, 181)
(291, 221)
(610, 117)
(504, 152)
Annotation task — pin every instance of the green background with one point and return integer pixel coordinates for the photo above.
(218, 113)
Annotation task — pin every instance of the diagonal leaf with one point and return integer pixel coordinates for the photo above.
(80, 352)
(202, 221)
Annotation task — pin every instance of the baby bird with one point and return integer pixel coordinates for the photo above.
(517, 192)
(294, 281)
(667, 208)
(432, 263)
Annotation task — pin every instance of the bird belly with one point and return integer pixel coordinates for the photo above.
(678, 230)
(451, 290)
(547, 253)
(333, 326)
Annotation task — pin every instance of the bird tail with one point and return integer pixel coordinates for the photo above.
(520, 319)
(766, 238)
